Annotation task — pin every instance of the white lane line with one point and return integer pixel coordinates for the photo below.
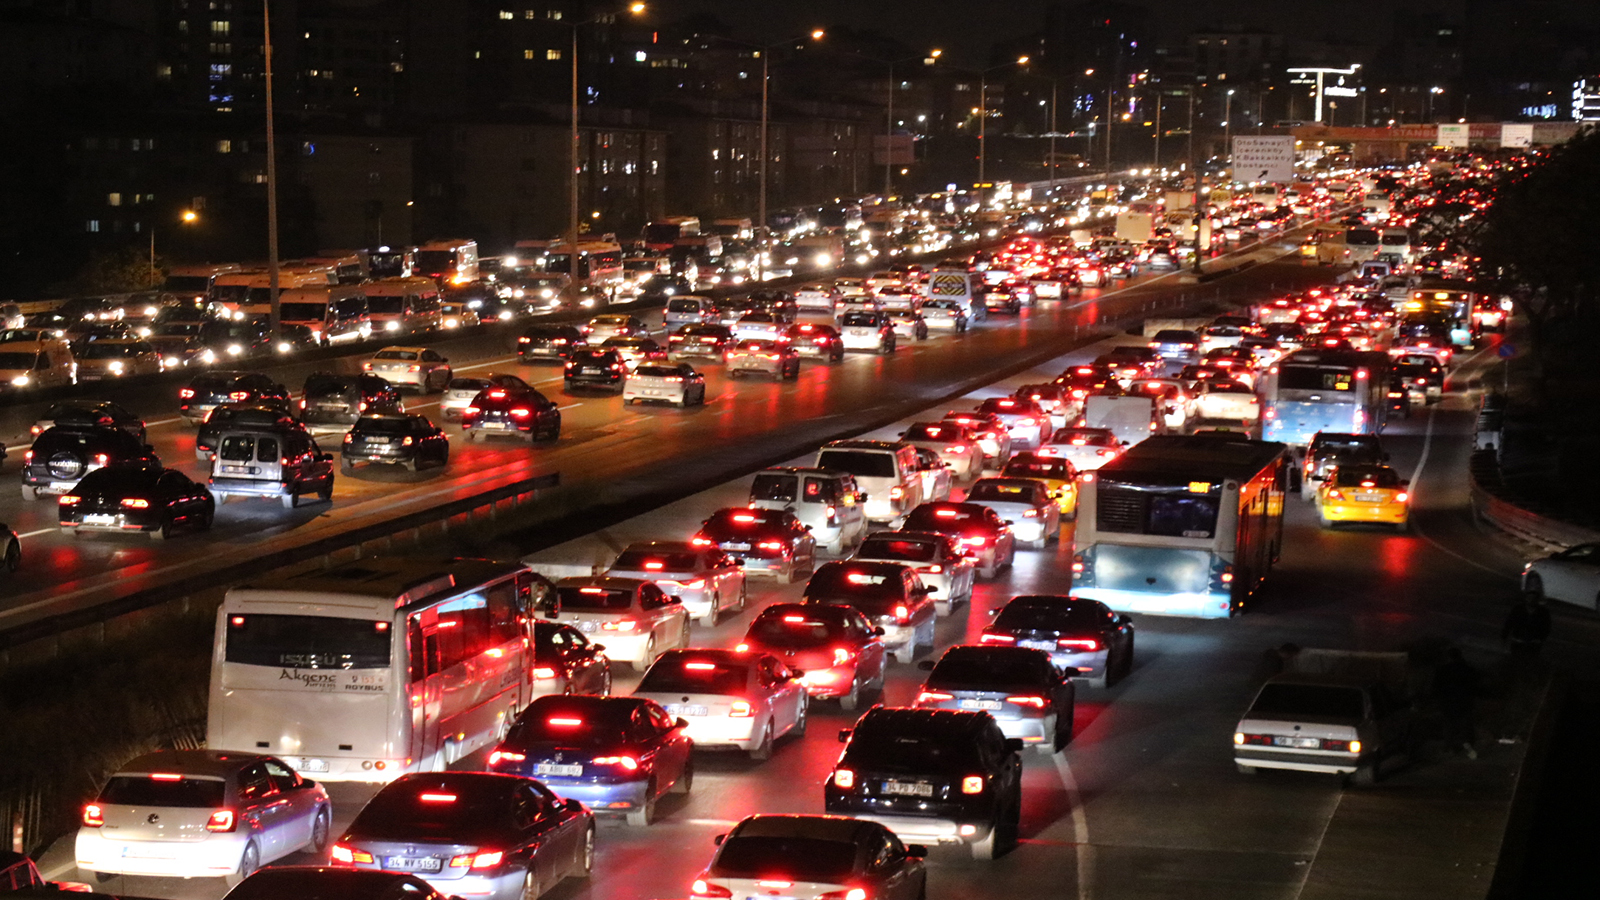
(39, 532)
(570, 405)
(1080, 827)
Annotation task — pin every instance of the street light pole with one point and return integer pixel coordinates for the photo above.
(888, 141)
(983, 115)
(275, 310)
(1157, 162)
(572, 180)
(763, 247)
(1227, 127)
(1053, 86)
(1110, 89)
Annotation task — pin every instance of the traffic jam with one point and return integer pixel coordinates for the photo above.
(486, 705)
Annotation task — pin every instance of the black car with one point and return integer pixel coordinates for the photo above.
(395, 438)
(548, 343)
(12, 549)
(210, 390)
(565, 661)
(149, 499)
(768, 541)
(332, 402)
(710, 341)
(1032, 700)
(505, 409)
(227, 341)
(891, 596)
(1085, 636)
(659, 288)
(230, 415)
(596, 368)
(90, 412)
(935, 774)
(62, 455)
(817, 341)
(477, 834)
(332, 883)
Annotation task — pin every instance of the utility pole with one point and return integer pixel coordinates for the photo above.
(1158, 129)
(888, 142)
(1053, 85)
(572, 181)
(275, 311)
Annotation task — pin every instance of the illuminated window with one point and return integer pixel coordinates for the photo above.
(552, 54)
(92, 225)
(113, 199)
(527, 54)
(224, 146)
(554, 14)
(219, 29)
(529, 14)
(640, 56)
(507, 14)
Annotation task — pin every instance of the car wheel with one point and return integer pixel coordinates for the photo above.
(989, 570)
(29, 493)
(849, 702)
(249, 861)
(13, 560)
(326, 494)
(319, 831)
(411, 465)
(804, 716)
(605, 684)
(290, 500)
(787, 576)
(346, 466)
(643, 663)
(743, 597)
(985, 849)
(763, 751)
(164, 532)
(685, 782)
(530, 885)
(645, 813)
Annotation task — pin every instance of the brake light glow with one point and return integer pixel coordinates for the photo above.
(521, 413)
(627, 762)
(1086, 645)
(972, 784)
(348, 855)
(505, 756)
(700, 666)
(740, 710)
(185, 394)
(622, 625)
(844, 778)
(485, 860)
(654, 566)
(933, 697)
(709, 891)
(93, 815)
(561, 722)
(437, 798)
(544, 672)
(221, 820)
(743, 517)
(135, 503)
(69, 500)
(946, 513)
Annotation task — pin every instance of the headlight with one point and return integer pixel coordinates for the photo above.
(451, 323)
(115, 367)
(208, 355)
(669, 292)
(284, 346)
(235, 349)
(517, 293)
(391, 325)
(505, 315)
(171, 362)
(150, 312)
(21, 381)
(823, 260)
(547, 293)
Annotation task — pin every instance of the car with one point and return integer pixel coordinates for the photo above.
(601, 328)
(332, 883)
(867, 330)
(1024, 419)
(689, 310)
(890, 595)
(731, 699)
(812, 857)
(886, 471)
(1176, 347)
(778, 359)
(957, 446)
(331, 402)
(1027, 504)
(938, 560)
(116, 358)
(230, 341)
(936, 477)
(459, 394)
(936, 775)
(634, 618)
(1000, 299)
(201, 813)
(1329, 448)
(993, 435)
(730, 310)
(548, 343)
(827, 502)
(480, 834)
(1230, 401)
(1081, 381)
(231, 414)
(458, 314)
(706, 580)
(839, 652)
(617, 755)
(1057, 473)
(65, 453)
(595, 368)
(1176, 400)
(1363, 493)
(209, 390)
(567, 662)
(675, 383)
(984, 536)
(759, 325)
(762, 541)
(1570, 576)
(636, 351)
(1056, 400)
(396, 439)
(1020, 687)
(421, 368)
(816, 340)
(946, 314)
(10, 549)
(152, 500)
(83, 332)
(89, 412)
(1086, 448)
(511, 406)
(1083, 636)
(908, 324)
(1422, 375)
(258, 460)
(707, 341)
(1130, 361)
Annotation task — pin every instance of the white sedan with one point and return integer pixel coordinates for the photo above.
(705, 579)
(731, 699)
(416, 367)
(1571, 576)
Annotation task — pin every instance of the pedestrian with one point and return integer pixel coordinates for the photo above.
(1455, 687)
(1527, 627)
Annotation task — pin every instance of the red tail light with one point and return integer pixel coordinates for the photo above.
(703, 890)
(69, 500)
(997, 639)
(1085, 645)
(771, 545)
(740, 710)
(239, 396)
(93, 815)
(623, 625)
(544, 672)
(506, 755)
(902, 614)
(1028, 701)
(627, 762)
(933, 697)
(135, 503)
(222, 820)
(521, 413)
(487, 859)
(844, 778)
(897, 493)
(972, 784)
(186, 394)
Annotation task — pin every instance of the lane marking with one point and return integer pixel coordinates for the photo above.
(26, 534)
(1080, 827)
(571, 405)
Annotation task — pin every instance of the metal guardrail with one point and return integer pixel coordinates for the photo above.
(411, 527)
(1491, 506)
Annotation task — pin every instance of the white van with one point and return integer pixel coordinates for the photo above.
(335, 314)
(192, 283)
(31, 359)
(399, 306)
(886, 471)
(1132, 417)
(827, 502)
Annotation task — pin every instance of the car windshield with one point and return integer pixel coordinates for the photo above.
(1081, 436)
(410, 355)
(1289, 700)
(1061, 615)
(308, 642)
(592, 720)
(17, 360)
(942, 516)
(872, 585)
(898, 549)
(468, 384)
(860, 463)
(904, 750)
(385, 426)
(658, 372)
(780, 488)
(858, 319)
(924, 431)
(789, 857)
(677, 674)
(103, 350)
(1002, 492)
(633, 560)
(1038, 467)
(167, 791)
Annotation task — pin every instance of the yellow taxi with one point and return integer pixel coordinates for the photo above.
(1058, 475)
(1363, 493)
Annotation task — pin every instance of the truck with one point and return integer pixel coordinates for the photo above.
(1338, 712)
(1135, 227)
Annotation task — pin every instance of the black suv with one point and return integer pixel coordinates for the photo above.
(548, 343)
(62, 455)
(212, 389)
(596, 368)
(90, 412)
(931, 776)
(335, 402)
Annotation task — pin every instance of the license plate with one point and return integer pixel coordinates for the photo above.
(1369, 498)
(236, 470)
(312, 765)
(908, 788)
(686, 709)
(496, 426)
(585, 626)
(980, 704)
(1037, 645)
(412, 863)
(99, 519)
(1299, 743)
(62, 485)
(564, 769)
(736, 546)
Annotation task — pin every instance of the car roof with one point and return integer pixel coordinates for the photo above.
(802, 470)
(207, 763)
(952, 722)
(884, 446)
(663, 547)
(828, 828)
(406, 349)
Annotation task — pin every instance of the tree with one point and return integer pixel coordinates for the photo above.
(114, 272)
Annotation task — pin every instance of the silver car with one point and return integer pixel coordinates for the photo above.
(458, 395)
(417, 367)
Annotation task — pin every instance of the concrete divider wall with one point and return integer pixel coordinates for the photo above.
(1489, 504)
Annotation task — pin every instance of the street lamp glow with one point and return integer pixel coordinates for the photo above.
(636, 8)
(818, 35)
(190, 215)
(1022, 60)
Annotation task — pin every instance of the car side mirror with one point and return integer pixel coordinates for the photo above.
(444, 359)
(796, 674)
(1008, 521)
(861, 496)
(680, 722)
(598, 648)
(1405, 482)
(1067, 673)
(925, 665)
(324, 457)
(719, 839)
(149, 448)
(307, 784)
(877, 631)
(916, 851)
(844, 735)
(1013, 745)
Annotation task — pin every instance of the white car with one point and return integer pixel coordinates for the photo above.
(458, 396)
(746, 701)
(704, 579)
(1024, 502)
(601, 328)
(1086, 448)
(1571, 576)
(417, 367)
(635, 619)
(201, 813)
(760, 326)
(1226, 400)
(675, 383)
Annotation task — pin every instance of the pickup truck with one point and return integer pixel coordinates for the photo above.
(1340, 712)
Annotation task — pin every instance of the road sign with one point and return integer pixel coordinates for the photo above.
(947, 284)
(1506, 350)
(1268, 158)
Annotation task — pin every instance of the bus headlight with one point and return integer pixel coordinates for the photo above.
(822, 260)
(391, 325)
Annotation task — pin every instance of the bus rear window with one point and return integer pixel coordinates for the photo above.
(1315, 378)
(308, 642)
(1166, 511)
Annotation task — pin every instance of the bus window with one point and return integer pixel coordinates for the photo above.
(416, 651)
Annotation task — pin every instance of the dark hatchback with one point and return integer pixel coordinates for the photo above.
(398, 439)
(764, 541)
(515, 410)
(708, 341)
(212, 389)
(1085, 636)
(548, 343)
(149, 499)
(817, 341)
(232, 415)
(1026, 694)
(616, 754)
(595, 368)
(63, 455)
(332, 402)
(90, 412)
(932, 776)
(472, 834)
(565, 661)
